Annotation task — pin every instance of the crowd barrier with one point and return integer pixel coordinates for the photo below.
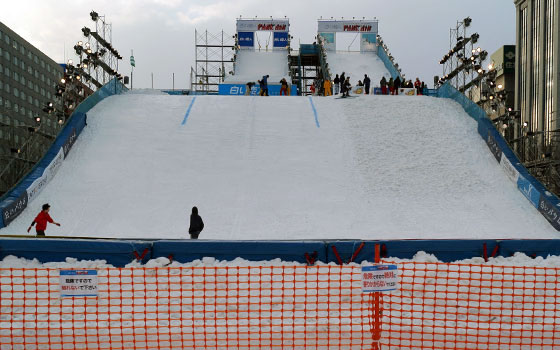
(435, 306)
(14, 202)
(121, 252)
(544, 201)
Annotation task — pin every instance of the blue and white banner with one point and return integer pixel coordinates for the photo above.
(241, 89)
(280, 39)
(528, 190)
(246, 39)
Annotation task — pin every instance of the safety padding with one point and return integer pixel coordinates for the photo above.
(444, 250)
(531, 247)
(187, 251)
(116, 253)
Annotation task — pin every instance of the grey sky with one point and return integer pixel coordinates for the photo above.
(161, 32)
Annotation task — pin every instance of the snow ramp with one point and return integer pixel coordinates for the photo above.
(373, 167)
(356, 64)
(253, 65)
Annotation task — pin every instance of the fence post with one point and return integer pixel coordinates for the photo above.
(376, 307)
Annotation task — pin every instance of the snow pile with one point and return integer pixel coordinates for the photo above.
(253, 65)
(356, 64)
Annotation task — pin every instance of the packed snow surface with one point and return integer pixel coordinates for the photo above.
(356, 64)
(253, 65)
(373, 167)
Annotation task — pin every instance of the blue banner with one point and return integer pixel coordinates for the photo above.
(241, 89)
(246, 39)
(280, 39)
(529, 191)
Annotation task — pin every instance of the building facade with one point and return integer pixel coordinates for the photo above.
(537, 96)
(27, 83)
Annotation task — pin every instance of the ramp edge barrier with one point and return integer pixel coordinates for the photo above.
(121, 252)
(382, 54)
(543, 200)
(14, 202)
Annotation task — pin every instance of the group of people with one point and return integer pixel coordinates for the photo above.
(392, 86)
(263, 86)
(40, 222)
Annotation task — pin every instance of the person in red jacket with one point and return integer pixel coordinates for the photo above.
(41, 220)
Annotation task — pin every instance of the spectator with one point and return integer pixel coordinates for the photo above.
(346, 88)
(383, 85)
(423, 87)
(327, 87)
(284, 87)
(342, 80)
(418, 85)
(397, 86)
(197, 225)
(265, 85)
(336, 82)
(249, 88)
(367, 82)
(391, 86)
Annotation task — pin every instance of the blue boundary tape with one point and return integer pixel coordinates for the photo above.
(188, 111)
(314, 112)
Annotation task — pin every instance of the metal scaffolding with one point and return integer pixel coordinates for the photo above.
(214, 57)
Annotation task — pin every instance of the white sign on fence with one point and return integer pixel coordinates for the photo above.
(379, 278)
(78, 283)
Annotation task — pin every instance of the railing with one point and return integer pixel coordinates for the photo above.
(437, 306)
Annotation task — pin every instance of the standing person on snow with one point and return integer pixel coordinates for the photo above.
(391, 85)
(265, 84)
(41, 220)
(346, 88)
(342, 80)
(383, 84)
(197, 225)
(417, 85)
(336, 84)
(397, 86)
(367, 82)
(327, 88)
(284, 87)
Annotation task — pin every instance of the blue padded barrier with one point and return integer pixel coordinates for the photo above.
(547, 203)
(382, 54)
(189, 250)
(117, 253)
(15, 201)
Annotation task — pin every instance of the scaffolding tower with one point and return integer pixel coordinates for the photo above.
(214, 57)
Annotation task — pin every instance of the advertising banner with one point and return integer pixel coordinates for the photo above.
(271, 25)
(241, 89)
(280, 40)
(407, 91)
(13, 210)
(69, 142)
(509, 169)
(49, 172)
(494, 147)
(529, 191)
(342, 26)
(550, 212)
(246, 39)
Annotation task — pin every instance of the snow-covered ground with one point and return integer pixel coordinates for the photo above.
(253, 65)
(374, 167)
(356, 64)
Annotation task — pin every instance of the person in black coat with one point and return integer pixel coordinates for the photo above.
(197, 225)
(397, 85)
(336, 82)
(342, 80)
(367, 83)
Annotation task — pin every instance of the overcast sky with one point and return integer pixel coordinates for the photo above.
(161, 32)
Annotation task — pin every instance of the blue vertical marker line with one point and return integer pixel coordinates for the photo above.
(314, 112)
(188, 111)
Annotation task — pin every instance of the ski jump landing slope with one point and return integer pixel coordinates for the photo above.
(253, 65)
(373, 167)
(356, 64)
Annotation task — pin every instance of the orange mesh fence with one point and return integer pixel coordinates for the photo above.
(437, 306)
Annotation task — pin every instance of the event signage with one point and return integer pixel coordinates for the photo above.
(529, 191)
(255, 25)
(13, 210)
(550, 212)
(246, 39)
(494, 147)
(78, 283)
(37, 186)
(379, 278)
(509, 169)
(280, 39)
(342, 26)
(69, 142)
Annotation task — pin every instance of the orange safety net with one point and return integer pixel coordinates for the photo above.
(437, 306)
